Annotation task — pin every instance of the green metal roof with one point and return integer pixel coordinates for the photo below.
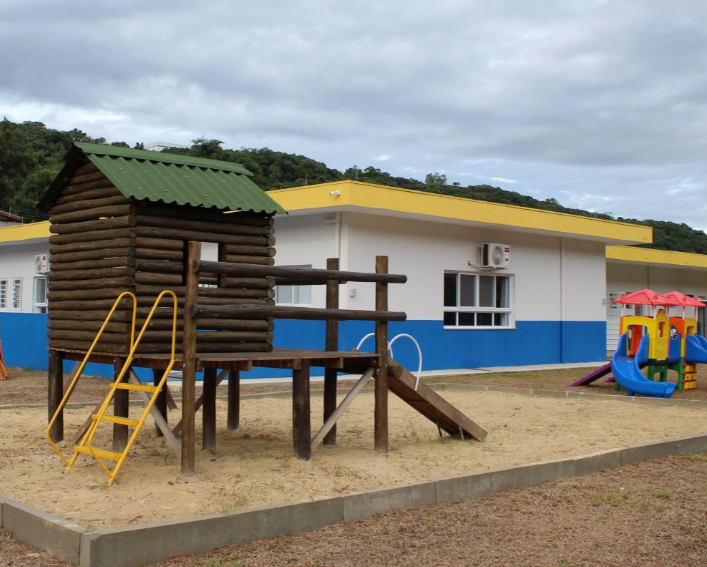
(172, 178)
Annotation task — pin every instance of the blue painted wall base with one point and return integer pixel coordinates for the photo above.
(24, 342)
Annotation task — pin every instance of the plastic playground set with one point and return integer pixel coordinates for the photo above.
(658, 343)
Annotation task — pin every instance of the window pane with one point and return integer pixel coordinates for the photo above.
(450, 319)
(503, 295)
(16, 293)
(486, 289)
(467, 319)
(450, 290)
(3, 294)
(484, 319)
(284, 294)
(467, 291)
(303, 294)
(501, 319)
(40, 290)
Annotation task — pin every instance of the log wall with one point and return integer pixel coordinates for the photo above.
(103, 243)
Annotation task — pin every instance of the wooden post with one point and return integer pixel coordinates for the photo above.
(332, 344)
(55, 392)
(381, 386)
(209, 410)
(234, 400)
(121, 408)
(161, 401)
(301, 417)
(189, 357)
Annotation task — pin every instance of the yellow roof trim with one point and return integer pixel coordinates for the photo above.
(22, 232)
(651, 256)
(381, 197)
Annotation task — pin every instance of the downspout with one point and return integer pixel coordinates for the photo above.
(562, 300)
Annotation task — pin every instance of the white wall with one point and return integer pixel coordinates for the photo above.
(424, 250)
(633, 277)
(17, 261)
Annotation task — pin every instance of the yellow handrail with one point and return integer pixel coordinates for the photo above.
(80, 369)
(101, 412)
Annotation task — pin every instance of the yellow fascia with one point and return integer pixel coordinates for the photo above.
(650, 256)
(22, 232)
(370, 196)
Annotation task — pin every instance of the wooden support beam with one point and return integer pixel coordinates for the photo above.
(286, 312)
(55, 393)
(330, 422)
(234, 400)
(332, 344)
(381, 386)
(189, 364)
(301, 416)
(161, 401)
(121, 408)
(209, 413)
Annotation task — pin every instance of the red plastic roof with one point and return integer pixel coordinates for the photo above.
(684, 300)
(646, 297)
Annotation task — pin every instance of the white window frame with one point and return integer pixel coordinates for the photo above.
(476, 309)
(40, 307)
(16, 294)
(296, 291)
(4, 294)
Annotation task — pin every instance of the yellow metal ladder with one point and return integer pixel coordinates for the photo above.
(85, 445)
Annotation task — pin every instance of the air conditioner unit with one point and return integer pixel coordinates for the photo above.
(496, 256)
(41, 263)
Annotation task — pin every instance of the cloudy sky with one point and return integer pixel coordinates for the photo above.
(599, 104)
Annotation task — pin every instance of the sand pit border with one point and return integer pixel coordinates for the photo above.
(132, 546)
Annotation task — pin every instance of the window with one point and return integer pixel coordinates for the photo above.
(478, 301)
(40, 295)
(3, 294)
(293, 294)
(16, 299)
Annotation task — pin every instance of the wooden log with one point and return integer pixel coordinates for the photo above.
(125, 261)
(91, 225)
(331, 344)
(159, 267)
(235, 293)
(83, 346)
(204, 226)
(157, 254)
(295, 273)
(123, 283)
(161, 401)
(380, 410)
(161, 244)
(152, 278)
(218, 324)
(233, 420)
(89, 167)
(260, 260)
(121, 408)
(91, 236)
(301, 415)
(122, 338)
(92, 326)
(55, 393)
(84, 294)
(207, 215)
(92, 304)
(87, 275)
(82, 215)
(94, 190)
(94, 245)
(286, 312)
(88, 204)
(100, 315)
(189, 366)
(233, 250)
(151, 336)
(235, 301)
(192, 235)
(58, 258)
(86, 178)
(209, 410)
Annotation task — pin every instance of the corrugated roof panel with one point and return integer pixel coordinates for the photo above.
(180, 179)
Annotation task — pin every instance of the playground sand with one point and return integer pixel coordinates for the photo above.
(254, 466)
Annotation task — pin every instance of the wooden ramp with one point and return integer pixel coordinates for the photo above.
(433, 406)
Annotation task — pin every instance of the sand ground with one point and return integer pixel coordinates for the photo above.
(254, 466)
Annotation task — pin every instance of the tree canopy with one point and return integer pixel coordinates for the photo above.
(31, 156)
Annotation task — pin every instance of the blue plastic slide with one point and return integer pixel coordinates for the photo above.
(628, 373)
(696, 349)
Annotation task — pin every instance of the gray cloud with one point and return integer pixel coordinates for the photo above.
(598, 104)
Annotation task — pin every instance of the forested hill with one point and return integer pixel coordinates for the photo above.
(31, 155)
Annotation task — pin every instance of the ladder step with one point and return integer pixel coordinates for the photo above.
(135, 387)
(117, 419)
(102, 453)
